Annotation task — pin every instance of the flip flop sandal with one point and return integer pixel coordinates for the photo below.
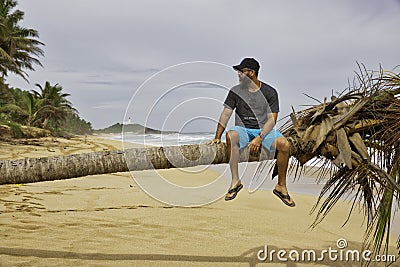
(233, 191)
(284, 198)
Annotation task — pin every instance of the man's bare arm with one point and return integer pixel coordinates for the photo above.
(223, 121)
(269, 125)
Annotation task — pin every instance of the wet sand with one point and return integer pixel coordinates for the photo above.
(107, 220)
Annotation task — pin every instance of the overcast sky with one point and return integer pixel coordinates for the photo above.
(101, 52)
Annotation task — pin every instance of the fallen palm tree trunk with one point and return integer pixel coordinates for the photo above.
(133, 159)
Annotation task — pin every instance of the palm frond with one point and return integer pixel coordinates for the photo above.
(359, 132)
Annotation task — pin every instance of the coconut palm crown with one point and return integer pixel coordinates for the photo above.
(19, 46)
(356, 139)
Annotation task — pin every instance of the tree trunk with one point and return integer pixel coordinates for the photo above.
(134, 159)
(45, 122)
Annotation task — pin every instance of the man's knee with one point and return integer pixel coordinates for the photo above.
(282, 144)
(232, 138)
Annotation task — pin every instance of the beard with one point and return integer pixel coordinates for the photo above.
(245, 81)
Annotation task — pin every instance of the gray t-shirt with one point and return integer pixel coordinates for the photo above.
(252, 108)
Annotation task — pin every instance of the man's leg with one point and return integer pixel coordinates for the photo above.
(232, 141)
(282, 146)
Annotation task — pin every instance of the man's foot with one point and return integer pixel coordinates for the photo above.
(233, 191)
(285, 197)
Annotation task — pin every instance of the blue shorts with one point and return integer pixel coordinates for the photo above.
(246, 135)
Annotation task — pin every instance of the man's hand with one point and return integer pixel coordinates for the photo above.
(255, 145)
(214, 141)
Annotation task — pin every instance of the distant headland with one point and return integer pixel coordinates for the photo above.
(134, 128)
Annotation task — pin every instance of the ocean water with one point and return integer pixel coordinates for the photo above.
(166, 139)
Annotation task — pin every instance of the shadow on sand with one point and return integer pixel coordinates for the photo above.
(249, 257)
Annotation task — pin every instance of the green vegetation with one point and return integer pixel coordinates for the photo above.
(16, 129)
(47, 107)
(74, 124)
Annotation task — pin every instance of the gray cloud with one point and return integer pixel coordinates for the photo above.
(102, 51)
(98, 82)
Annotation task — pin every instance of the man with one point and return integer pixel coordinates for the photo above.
(256, 108)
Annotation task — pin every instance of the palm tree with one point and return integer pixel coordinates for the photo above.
(19, 47)
(55, 105)
(31, 105)
(41, 109)
(26, 106)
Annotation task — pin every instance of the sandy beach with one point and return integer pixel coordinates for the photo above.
(107, 220)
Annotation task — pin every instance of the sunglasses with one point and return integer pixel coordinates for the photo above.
(244, 70)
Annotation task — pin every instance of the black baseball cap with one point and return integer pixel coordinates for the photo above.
(249, 63)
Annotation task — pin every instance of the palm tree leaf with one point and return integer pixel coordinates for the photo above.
(359, 145)
(379, 227)
(344, 147)
(20, 48)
